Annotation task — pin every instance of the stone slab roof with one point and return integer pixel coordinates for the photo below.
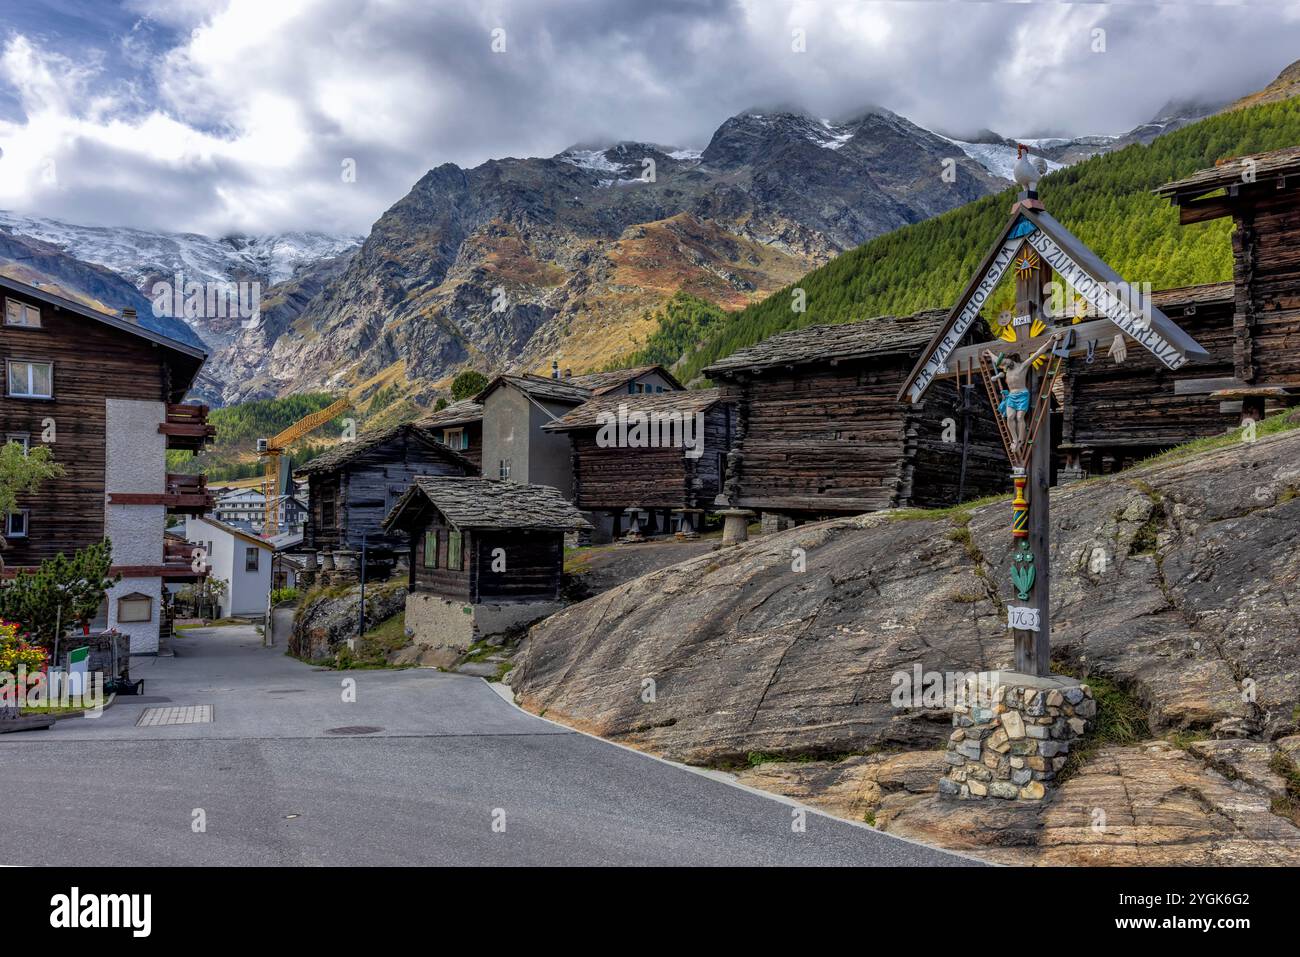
(883, 335)
(587, 415)
(466, 410)
(496, 504)
(345, 452)
(1228, 172)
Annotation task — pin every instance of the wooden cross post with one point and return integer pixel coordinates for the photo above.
(1033, 649)
(1038, 247)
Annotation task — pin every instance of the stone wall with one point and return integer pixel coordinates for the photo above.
(443, 629)
(1012, 735)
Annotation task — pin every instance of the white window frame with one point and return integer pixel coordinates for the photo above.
(454, 438)
(25, 310)
(22, 438)
(29, 377)
(26, 513)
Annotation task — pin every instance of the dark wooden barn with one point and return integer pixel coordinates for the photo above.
(1262, 195)
(1112, 415)
(484, 540)
(352, 487)
(656, 460)
(820, 430)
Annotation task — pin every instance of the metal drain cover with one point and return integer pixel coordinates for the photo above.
(189, 714)
(354, 729)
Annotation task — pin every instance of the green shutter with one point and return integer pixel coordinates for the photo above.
(430, 549)
(453, 551)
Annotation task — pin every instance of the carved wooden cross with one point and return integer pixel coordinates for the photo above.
(1039, 248)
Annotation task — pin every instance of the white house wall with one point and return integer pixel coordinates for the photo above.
(135, 460)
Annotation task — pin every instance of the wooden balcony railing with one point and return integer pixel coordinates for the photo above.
(186, 427)
(178, 564)
(185, 495)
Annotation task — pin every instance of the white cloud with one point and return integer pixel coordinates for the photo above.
(241, 124)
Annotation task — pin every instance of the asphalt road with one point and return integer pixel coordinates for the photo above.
(457, 775)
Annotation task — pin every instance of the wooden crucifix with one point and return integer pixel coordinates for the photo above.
(1019, 369)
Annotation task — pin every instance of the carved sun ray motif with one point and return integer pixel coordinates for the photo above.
(1027, 262)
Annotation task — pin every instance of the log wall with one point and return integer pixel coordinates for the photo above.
(1135, 406)
(1266, 258)
(367, 487)
(833, 439)
(617, 478)
(534, 563)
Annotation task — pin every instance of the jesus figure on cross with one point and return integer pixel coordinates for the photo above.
(1015, 398)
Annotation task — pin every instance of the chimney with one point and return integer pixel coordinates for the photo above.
(555, 369)
(129, 315)
(568, 373)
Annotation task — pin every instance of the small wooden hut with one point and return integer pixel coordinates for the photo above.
(486, 555)
(352, 487)
(654, 462)
(820, 430)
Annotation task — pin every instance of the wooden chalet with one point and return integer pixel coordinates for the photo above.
(486, 556)
(1262, 195)
(460, 428)
(354, 485)
(650, 461)
(104, 393)
(820, 430)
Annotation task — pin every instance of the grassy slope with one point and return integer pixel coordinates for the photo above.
(1106, 201)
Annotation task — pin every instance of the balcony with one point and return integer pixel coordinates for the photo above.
(186, 427)
(189, 495)
(177, 565)
(185, 495)
(179, 562)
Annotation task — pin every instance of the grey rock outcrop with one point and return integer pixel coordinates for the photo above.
(1179, 580)
(329, 617)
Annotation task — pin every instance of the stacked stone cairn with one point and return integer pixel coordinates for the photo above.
(1012, 743)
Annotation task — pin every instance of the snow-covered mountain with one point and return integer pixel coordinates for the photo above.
(144, 257)
(997, 153)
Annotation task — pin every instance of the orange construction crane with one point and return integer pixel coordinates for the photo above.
(271, 449)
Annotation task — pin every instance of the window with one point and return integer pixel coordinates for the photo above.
(430, 549)
(20, 314)
(503, 470)
(134, 607)
(453, 551)
(22, 438)
(31, 380)
(250, 558)
(16, 526)
(455, 439)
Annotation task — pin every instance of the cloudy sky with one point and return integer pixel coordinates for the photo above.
(240, 115)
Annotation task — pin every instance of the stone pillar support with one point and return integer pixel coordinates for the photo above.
(735, 525)
(1012, 733)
